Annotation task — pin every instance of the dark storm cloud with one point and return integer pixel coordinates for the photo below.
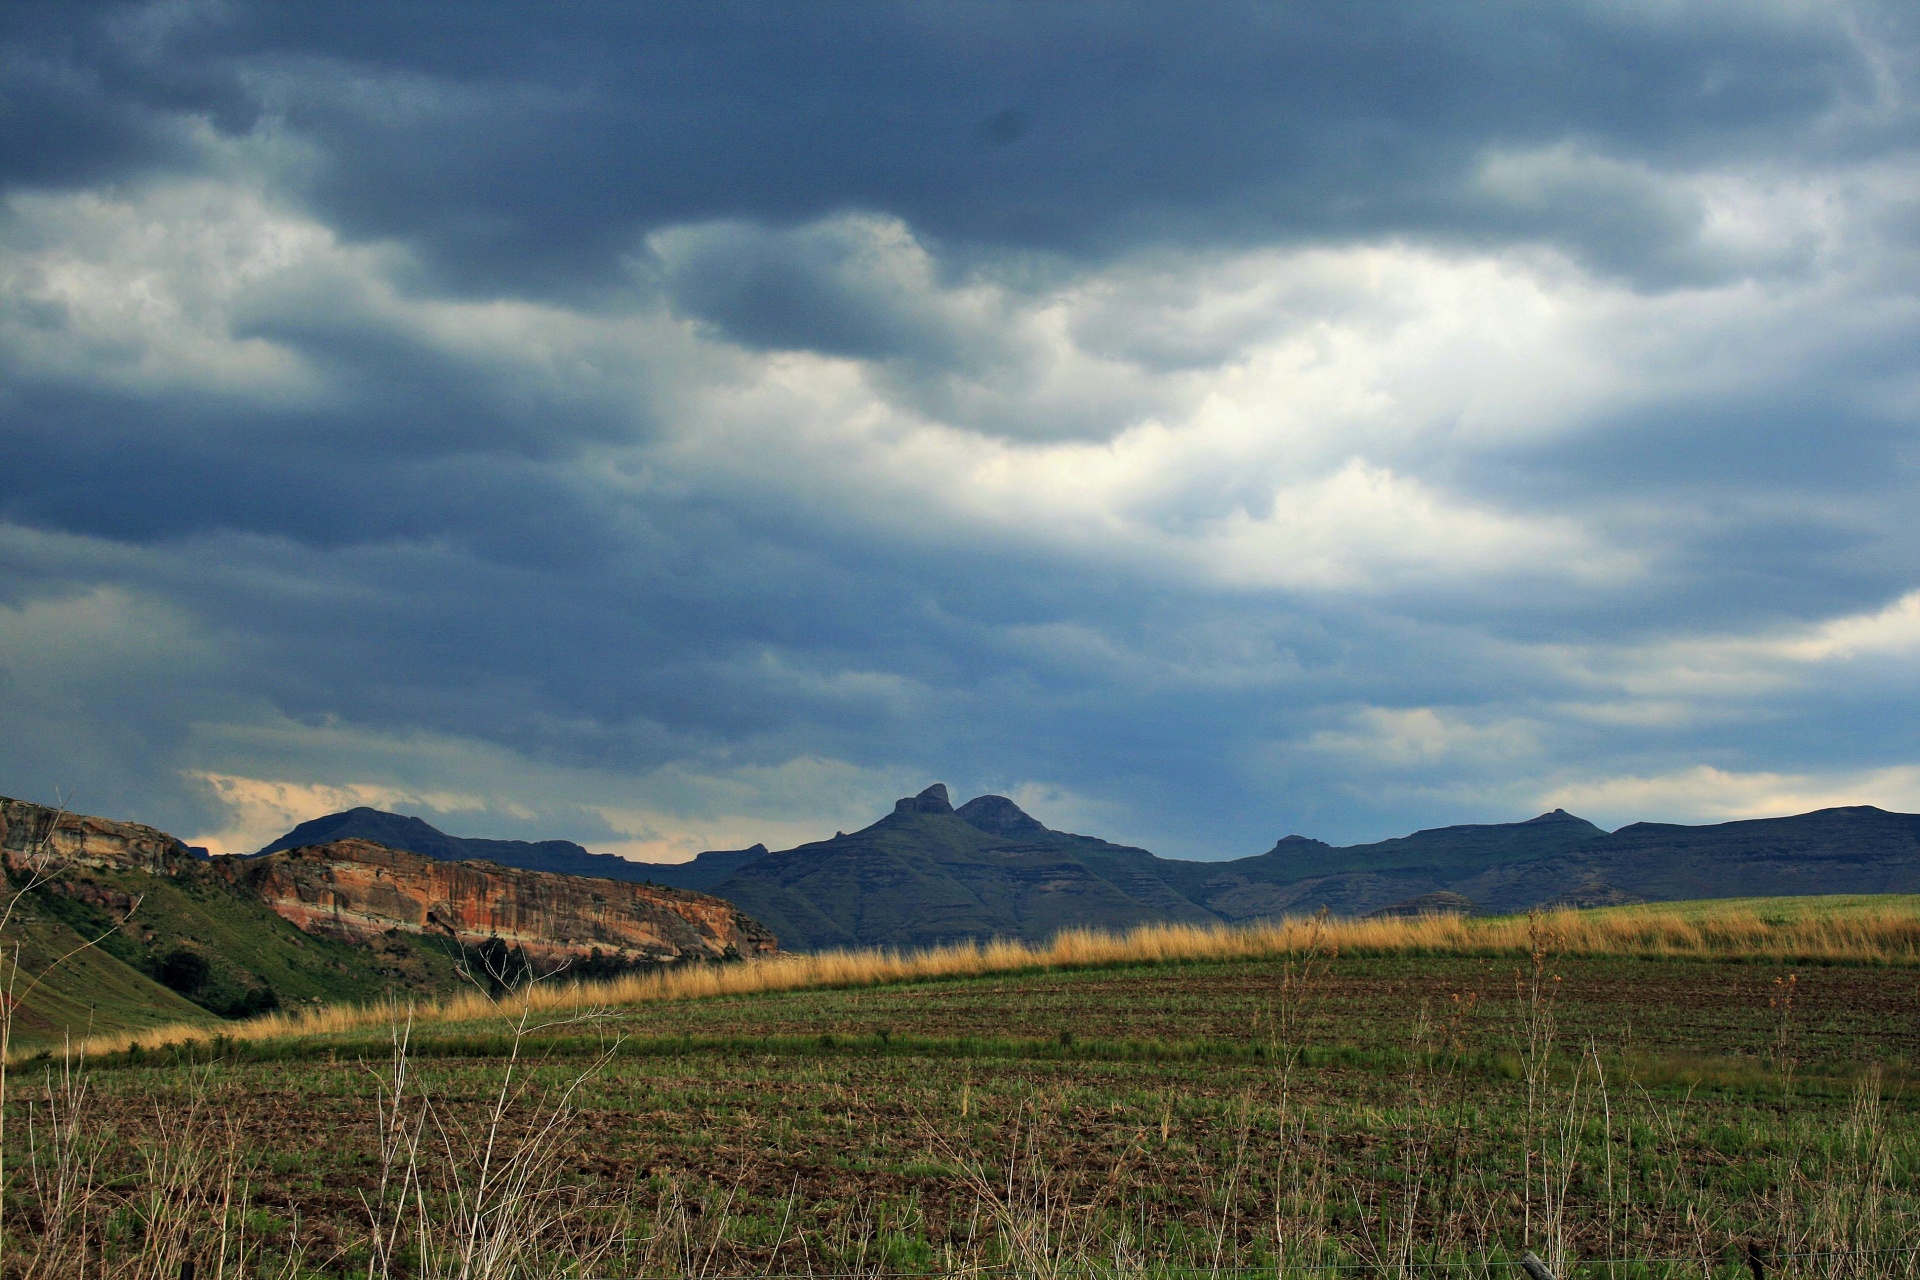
(525, 151)
(445, 407)
(822, 288)
(108, 466)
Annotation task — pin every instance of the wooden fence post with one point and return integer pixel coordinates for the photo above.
(1535, 1268)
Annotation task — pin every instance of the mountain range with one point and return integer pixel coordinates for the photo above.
(359, 904)
(928, 872)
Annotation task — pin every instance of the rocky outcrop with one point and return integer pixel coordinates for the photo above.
(34, 837)
(360, 891)
(933, 800)
(999, 816)
(1440, 903)
(1594, 893)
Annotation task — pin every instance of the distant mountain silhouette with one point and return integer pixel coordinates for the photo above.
(928, 872)
(396, 831)
(1856, 849)
(1299, 874)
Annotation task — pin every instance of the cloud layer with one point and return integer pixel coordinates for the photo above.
(701, 426)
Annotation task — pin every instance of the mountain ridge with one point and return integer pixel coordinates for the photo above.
(564, 857)
(929, 872)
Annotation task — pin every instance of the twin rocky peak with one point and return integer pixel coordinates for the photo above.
(996, 815)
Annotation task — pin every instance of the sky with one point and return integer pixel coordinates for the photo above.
(671, 427)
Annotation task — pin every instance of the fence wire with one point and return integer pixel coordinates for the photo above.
(1484, 1265)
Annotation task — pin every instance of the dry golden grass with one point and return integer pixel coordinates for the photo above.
(1864, 930)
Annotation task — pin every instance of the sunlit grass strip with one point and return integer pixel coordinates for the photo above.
(1873, 930)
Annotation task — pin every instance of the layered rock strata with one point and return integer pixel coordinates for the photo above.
(35, 838)
(360, 891)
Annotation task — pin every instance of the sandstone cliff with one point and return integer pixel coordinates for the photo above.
(80, 841)
(359, 891)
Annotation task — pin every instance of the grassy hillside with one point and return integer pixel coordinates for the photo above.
(86, 990)
(250, 960)
(1830, 910)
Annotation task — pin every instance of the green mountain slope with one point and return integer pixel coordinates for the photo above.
(1469, 847)
(254, 959)
(120, 927)
(1852, 849)
(928, 873)
(83, 989)
(124, 927)
(923, 874)
(192, 950)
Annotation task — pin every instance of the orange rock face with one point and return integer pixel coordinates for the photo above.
(78, 840)
(358, 891)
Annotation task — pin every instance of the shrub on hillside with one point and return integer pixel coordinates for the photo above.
(185, 970)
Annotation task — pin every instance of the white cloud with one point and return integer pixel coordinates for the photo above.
(1297, 444)
(1274, 470)
(1420, 737)
(149, 292)
(213, 287)
(664, 814)
(1890, 632)
(1708, 670)
(1703, 793)
(692, 808)
(260, 810)
(1366, 529)
(1270, 419)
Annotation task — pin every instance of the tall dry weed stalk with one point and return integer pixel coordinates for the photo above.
(455, 1199)
(1289, 1015)
(183, 1207)
(1025, 1205)
(63, 1159)
(1422, 1214)
(37, 865)
(1300, 1183)
(1536, 991)
(1394, 1212)
(1786, 1029)
(485, 1200)
(1843, 1221)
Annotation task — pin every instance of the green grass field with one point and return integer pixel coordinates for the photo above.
(1373, 1111)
